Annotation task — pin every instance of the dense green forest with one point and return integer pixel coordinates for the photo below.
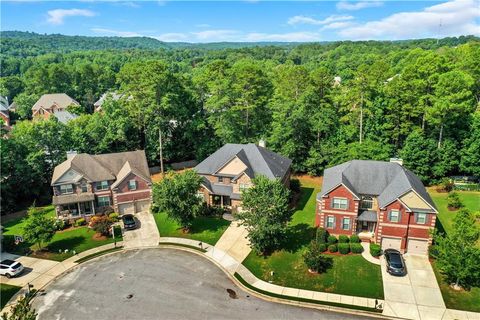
(319, 104)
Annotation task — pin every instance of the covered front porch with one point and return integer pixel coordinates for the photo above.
(366, 225)
(74, 206)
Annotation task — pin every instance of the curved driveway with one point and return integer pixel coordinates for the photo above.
(158, 284)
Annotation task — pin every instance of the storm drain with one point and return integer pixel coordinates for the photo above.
(130, 296)
(232, 294)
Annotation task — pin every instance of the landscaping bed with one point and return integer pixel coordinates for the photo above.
(290, 270)
(205, 229)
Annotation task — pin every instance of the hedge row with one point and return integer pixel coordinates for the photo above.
(343, 248)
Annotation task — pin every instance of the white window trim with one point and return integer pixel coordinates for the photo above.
(64, 185)
(333, 222)
(104, 205)
(134, 184)
(343, 223)
(424, 215)
(339, 198)
(390, 215)
(100, 183)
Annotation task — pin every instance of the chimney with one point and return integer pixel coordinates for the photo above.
(71, 154)
(262, 143)
(397, 160)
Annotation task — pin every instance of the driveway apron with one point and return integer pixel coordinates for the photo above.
(146, 235)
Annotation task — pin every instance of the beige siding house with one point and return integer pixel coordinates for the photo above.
(231, 169)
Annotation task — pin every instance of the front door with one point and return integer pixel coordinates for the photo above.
(364, 226)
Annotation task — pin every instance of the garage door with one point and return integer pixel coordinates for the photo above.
(391, 243)
(125, 208)
(417, 247)
(142, 206)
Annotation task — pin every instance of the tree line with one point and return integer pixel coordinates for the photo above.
(318, 104)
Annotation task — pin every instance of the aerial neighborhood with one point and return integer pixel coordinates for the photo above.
(329, 170)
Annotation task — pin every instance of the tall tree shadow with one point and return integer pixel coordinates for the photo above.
(298, 236)
(305, 194)
(65, 243)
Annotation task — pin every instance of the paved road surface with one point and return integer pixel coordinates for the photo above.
(158, 284)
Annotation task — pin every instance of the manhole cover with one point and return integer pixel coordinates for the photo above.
(232, 294)
(130, 296)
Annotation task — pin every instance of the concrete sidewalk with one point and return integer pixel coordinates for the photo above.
(234, 242)
(366, 253)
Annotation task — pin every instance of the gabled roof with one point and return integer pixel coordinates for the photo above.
(110, 166)
(259, 161)
(46, 101)
(386, 180)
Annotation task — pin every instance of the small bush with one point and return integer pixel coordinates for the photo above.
(375, 249)
(454, 201)
(332, 248)
(446, 184)
(354, 239)
(343, 248)
(332, 240)
(314, 259)
(342, 238)
(295, 185)
(79, 222)
(60, 224)
(356, 247)
(322, 235)
(322, 247)
(101, 224)
(114, 216)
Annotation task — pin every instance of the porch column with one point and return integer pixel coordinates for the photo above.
(78, 205)
(221, 201)
(93, 206)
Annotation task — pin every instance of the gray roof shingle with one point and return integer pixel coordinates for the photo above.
(386, 180)
(259, 161)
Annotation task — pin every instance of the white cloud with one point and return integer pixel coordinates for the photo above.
(172, 37)
(287, 37)
(203, 25)
(451, 18)
(346, 5)
(308, 20)
(216, 35)
(58, 16)
(116, 32)
(338, 25)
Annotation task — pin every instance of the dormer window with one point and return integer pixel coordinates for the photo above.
(102, 185)
(66, 188)
(367, 203)
(132, 185)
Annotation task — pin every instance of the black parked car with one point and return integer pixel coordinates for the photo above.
(129, 222)
(395, 263)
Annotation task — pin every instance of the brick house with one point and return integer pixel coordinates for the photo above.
(54, 104)
(230, 170)
(382, 202)
(85, 184)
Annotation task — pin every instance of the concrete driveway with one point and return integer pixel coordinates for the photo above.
(234, 242)
(146, 234)
(159, 284)
(415, 296)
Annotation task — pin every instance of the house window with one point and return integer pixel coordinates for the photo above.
(394, 216)
(421, 218)
(132, 185)
(220, 179)
(84, 187)
(243, 186)
(346, 224)
(102, 185)
(330, 222)
(367, 203)
(340, 203)
(66, 188)
(103, 201)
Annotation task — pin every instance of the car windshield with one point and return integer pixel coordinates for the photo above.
(128, 219)
(7, 262)
(395, 261)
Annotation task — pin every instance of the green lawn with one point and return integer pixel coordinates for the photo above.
(77, 239)
(350, 274)
(464, 300)
(470, 199)
(205, 229)
(6, 292)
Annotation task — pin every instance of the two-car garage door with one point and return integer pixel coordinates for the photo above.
(138, 206)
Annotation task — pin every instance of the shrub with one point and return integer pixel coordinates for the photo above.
(332, 240)
(354, 239)
(59, 224)
(101, 224)
(295, 185)
(314, 259)
(454, 201)
(375, 249)
(79, 222)
(343, 238)
(322, 247)
(343, 248)
(356, 247)
(446, 184)
(432, 251)
(114, 216)
(322, 235)
(332, 248)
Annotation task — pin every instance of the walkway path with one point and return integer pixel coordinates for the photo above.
(146, 235)
(234, 242)
(366, 254)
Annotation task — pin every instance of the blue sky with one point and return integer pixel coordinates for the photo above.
(199, 21)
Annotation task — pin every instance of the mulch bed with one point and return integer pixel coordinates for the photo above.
(99, 237)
